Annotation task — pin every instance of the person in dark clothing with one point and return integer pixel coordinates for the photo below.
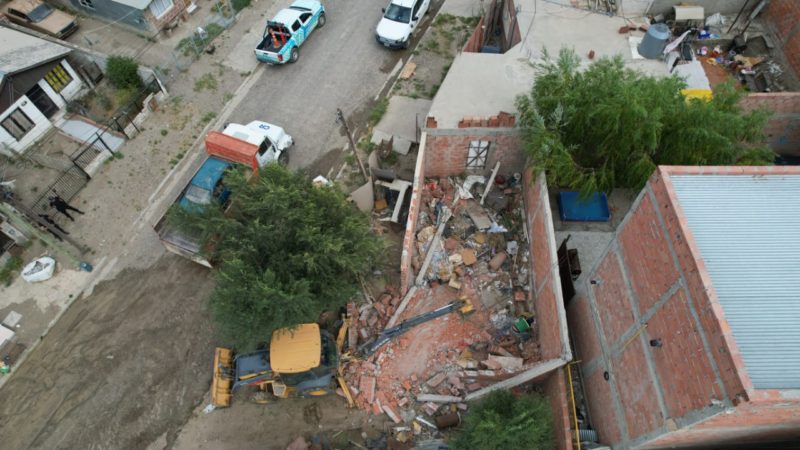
(48, 219)
(62, 206)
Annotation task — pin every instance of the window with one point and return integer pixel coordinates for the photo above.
(304, 17)
(17, 124)
(58, 78)
(160, 7)
(417, 5)
(14, 12)
(296, 25)
(478, 153)
(86, 3)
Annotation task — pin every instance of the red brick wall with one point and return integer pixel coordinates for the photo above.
(446, 155)
(750, 423)
(473, 45)
(783, 128)
(178, 7)
(637, 277)
(701, 291)
(784, 16)
(545, 281)
(556, 390)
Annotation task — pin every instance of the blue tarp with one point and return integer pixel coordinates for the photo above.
(572, 207)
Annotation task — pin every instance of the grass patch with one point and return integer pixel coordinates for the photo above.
(434, 89)
(443, 20)
(366, 145)
(195, 45)
(391, 158)
(377, 112)
(350, 159)
(227, 97)
(205, 82)
(10, 269)
(208, 117)
(164, 131)
(239, 5)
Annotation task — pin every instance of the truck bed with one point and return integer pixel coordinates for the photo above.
(266, 44)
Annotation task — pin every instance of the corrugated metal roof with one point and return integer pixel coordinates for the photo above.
(748, 231)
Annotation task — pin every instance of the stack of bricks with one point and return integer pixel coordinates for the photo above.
(501, 120)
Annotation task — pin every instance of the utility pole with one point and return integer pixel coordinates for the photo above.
(341, 120)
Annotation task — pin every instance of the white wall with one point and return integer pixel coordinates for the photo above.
(41, 125)
(68, 93)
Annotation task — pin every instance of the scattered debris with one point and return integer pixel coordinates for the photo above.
(467, 254)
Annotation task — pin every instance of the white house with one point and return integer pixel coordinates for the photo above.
(36, 81)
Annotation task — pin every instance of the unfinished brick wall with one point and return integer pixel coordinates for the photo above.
(473, 44)
(556, 390)
(751, 423)
(447, 150)
(783, 128)
(784, 17)
(651, 284)
(545, 279)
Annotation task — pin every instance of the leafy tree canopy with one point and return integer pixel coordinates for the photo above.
(503, 421)
(608, 126)
(286, 251)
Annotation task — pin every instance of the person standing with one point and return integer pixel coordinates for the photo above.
(62, 206)
(48, 219)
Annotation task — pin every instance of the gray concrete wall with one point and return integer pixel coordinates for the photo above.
(711, 6)
(116, 12)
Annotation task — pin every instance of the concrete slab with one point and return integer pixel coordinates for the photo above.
(400, 121)
(463, 8)
(590, 246)
(241, 58)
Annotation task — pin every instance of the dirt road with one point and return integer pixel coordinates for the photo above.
(121, 367)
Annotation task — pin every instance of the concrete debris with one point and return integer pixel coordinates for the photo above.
(433, 398)
(437, 379)
(461, 250)
(507, 363)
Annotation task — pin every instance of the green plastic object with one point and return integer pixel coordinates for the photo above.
(522, 325)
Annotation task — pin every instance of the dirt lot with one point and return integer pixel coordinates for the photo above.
(128, 366)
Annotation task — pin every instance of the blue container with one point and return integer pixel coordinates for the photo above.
(573, 208)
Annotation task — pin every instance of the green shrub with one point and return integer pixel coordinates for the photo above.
(504, 421)
(9, 271)
(123, 73)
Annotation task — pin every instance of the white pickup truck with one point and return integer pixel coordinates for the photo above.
(254, 145)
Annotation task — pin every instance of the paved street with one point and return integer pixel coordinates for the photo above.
(340, 65)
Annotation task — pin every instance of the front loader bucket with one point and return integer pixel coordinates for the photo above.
(221, 384)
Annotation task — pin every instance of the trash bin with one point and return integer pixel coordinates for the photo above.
(652, 46)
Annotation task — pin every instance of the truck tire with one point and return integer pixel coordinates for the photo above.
(294, 55)
(284, 158)
(321, 21)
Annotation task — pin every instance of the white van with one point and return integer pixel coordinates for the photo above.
(399, 20)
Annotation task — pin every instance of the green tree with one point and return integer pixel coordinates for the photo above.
(123, 72)
(504, 421)
(286, 251)
(608, 126)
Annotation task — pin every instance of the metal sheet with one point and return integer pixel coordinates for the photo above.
(746, 228)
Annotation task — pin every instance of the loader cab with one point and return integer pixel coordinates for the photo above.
(304, 360)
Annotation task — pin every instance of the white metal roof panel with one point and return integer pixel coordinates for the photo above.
(748, 231)
(20, 51)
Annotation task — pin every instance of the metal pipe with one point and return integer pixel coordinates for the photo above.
(737, 16)
(574, 409)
